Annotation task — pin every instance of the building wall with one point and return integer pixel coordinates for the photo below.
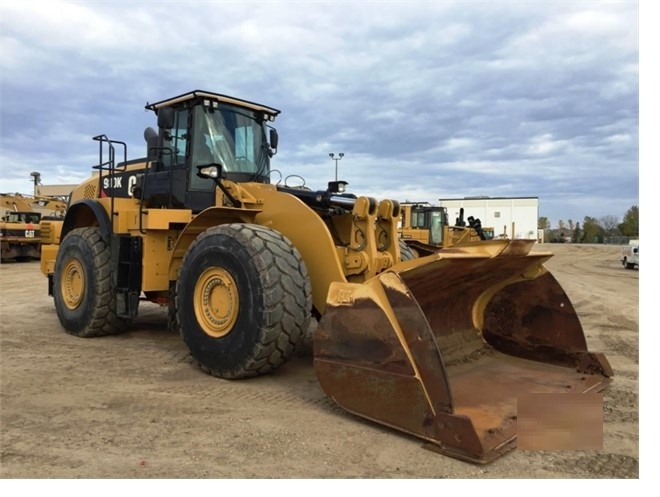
(515, 217)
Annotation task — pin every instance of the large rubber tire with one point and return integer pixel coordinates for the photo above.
(172, 318)
(243, 300)
(82, 285)
(406, 252)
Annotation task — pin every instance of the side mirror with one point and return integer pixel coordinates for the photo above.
(212, 171)
(151, 137)
(166, 118)
(273, 138)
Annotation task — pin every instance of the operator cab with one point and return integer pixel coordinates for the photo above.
(431, 218)
(199, 129)
(23, 217)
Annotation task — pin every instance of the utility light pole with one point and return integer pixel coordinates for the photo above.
(336, 159)
(36, 179)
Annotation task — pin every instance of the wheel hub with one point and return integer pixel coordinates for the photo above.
(73, 284)
(216, 302)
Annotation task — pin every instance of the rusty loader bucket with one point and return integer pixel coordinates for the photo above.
(442, 346)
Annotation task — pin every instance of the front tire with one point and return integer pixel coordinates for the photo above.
(407, 253)
(243, 300)
(82, 285)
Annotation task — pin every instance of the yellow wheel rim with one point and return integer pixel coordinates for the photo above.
(216, 302)
(72, 285)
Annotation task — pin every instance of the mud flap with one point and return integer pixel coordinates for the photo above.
(441, 347)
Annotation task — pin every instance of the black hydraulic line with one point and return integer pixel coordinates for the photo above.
(320, 199)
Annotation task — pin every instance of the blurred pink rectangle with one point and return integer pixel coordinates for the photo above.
(560, 421)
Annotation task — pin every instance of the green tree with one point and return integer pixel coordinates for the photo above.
(577, 233)
(544, 226)
(610, 225)
(630, 224)
(560, 225)
(593, 232)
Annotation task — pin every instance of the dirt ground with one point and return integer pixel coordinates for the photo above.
(136, 406)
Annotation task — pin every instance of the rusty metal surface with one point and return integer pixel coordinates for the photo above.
(442, 349)
(535, 319)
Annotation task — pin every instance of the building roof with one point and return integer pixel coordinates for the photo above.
(53, 190)
(485, 197)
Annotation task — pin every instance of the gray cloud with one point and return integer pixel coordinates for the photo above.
(427, 100)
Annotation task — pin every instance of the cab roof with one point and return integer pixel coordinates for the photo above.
(213, 96)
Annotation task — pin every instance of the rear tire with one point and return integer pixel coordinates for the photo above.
(82, 285)
(243, 300)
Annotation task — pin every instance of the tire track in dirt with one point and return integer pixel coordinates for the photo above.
(80, 408)
(601, 465)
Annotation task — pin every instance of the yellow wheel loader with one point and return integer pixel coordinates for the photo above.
(439, 347)
(425, 228)
(19, 228)
(20, 224)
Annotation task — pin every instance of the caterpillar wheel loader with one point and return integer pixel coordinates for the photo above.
(19, 228)
(438, 347)
(425, 228)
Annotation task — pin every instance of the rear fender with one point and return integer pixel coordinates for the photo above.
(87, 212)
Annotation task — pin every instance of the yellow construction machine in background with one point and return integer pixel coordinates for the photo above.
(438, 346)
(20, 220)
(425, 228)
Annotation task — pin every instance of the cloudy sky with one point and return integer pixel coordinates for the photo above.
(427, 100)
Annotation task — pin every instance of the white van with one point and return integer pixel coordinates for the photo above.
(630, 256)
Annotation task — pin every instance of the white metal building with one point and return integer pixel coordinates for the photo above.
(515, 217)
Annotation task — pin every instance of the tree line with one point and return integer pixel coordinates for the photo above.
(606, 229)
